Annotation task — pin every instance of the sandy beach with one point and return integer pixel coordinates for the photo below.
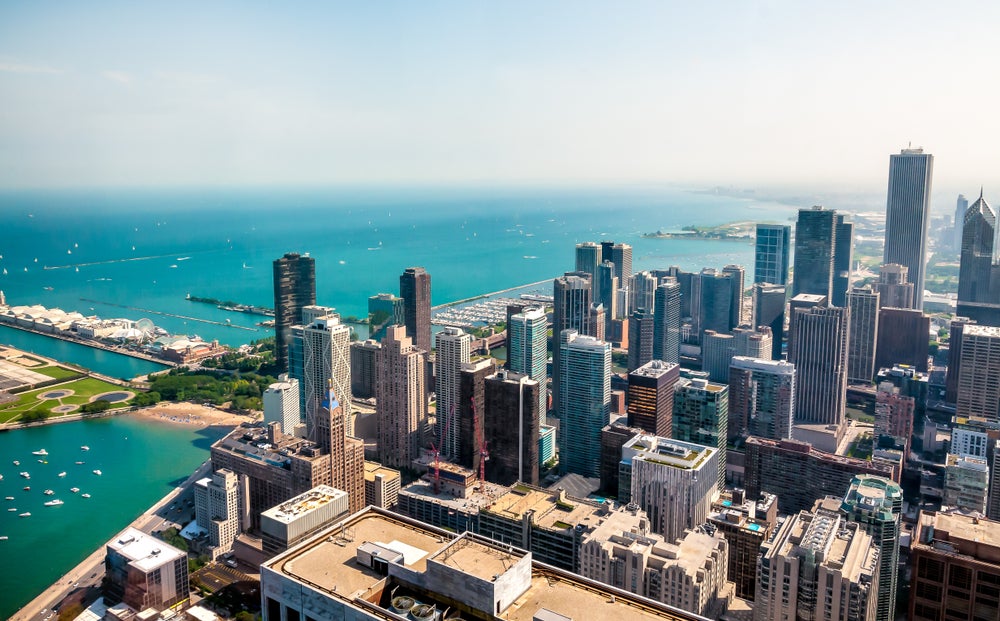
(190, 414)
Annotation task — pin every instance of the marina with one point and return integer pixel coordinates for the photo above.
(486, 313)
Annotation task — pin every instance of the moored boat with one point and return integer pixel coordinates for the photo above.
(42, 452)
(53, 503)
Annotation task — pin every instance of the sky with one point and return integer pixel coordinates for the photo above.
(181, 93)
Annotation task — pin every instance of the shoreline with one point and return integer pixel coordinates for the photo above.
(92, 344)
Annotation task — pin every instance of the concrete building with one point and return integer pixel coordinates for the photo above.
(864, 324)
(815, 243)
(746, 524)
(401, 399)
(642, 292)
(771, 251)
(818, 474)
(769, 310)
(363, 355)
(448, 496)
(621, 256)
(298, 518)
(326, 366)
(281, 403)
(894, 288)
(689, 574)
(650, 397)
(217, 510)
(993, 501)
(641, 329)
(969, 442)
(585, 377)
(718, 350)
(966, 483)
(382, 485)
(613, 438)
(415, 289)
(384, 310)
(979, 373)
(907, 215)
(674, 482)
(903, 338)
(453, 350)
(894, 415)
(818, 566)
(875, 503)
(144, 572)
(511, 428)
(818, 349)
(701, 416)
(294, 287)
(571, 302)
(376, 564)
(527, 351)
(667, 320)
(956, 567)
(472, 410)
(761, 398)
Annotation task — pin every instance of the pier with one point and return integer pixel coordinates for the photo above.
(95, 344)
(164, 314)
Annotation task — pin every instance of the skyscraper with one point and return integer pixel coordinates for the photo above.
(843, 254)
(588, 257)
(400, 393)
(528, 351)
(863, 303)
(717, 350)
(294, 287)
(961, 206)
(979, 373)
(642, 292)
(453, 350)
(384, 310)
(621, 256)
(771, 251)
(819, 353)
(701, 416)
(894, 288)
(761, 398)
(281, 403)
(876, 504)
(585, 380)
(769, 310)
(472, 410)
(650, 397)
(737, 278)
(571, 303)
(641, 330)
(902, 338)
(907, 215)
(606, 292)
(717, 296)
(512, 428)
(415, 289)
(979, 274)
(815, 245)
(667, 321)
(327, 366)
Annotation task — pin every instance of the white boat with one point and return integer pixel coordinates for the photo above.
(79, 463)
(17, 463)
(12, 509)
(3, 537)
(25, 514)
(84, 448)
(62, 474)
(9, 498)
(84, 495)
(74, 489)
(53, 503)
(40, 452)
(97, 472)
(48, 492)
(26, 475)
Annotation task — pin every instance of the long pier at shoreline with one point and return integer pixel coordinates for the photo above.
(95, 344)
(165, 314)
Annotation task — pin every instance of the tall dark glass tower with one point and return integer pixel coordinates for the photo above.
(667, 321)
(771, 251)
(843, 253)
(815, 243)
(415, 289)
(978, 236)
(294, 288)
(907, 215)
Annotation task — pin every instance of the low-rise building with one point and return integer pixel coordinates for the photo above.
(297, 518)
(966, 483)
(381, 485)
(144, 572)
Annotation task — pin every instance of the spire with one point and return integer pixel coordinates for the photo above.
(980, 192)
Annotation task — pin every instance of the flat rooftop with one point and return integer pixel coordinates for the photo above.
(967, 532)
(476, 558)
(306, 502)
(550, 511)
(473, 502)
(145, 552)
(666, 451)
(373, 468)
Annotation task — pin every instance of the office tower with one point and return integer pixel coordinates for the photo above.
(815, 244)
(817, 473)
(819, 352)
(622, 553)
(894, 289)
(903, 338)
(312, 312)
(401, 399)
(281, 403)
(347, 454)
(843, 255)
(527, 351)
(585, 380)
(384, 310)
(771, 251)
(453, 350)
(606, 292)
(650, 397)
(363, 368)
(718, 350)
(327, 366)
(907, 215)
(737, 278)
(993, 504)
(613, 438)
(955, 332)
(863, 304)
(968, 442)
(979, 272)
(588, 257)
(674, 482)
(667, 321)
(144, 572)
(761, 398)
(803, 301)
(769, 310)
(217, 509)
(294, 287)
(472, 411)
(717, 298)
(961, 207)
(966, 483)
(954, 561)
(512, 428)
(701, 416)
(642, 292)
(640, 338)
(818, 566)
(893, 418)
(745, 524)
(596, 320)
(621, 256)
(875, 503)
(296, 519)
(415, 289)
(570, 311)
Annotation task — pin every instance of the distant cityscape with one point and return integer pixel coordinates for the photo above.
(820, 443)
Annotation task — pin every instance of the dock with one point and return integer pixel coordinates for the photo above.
(165, 314)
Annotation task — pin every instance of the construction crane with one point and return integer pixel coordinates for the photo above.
(437, 455)
(484, 453)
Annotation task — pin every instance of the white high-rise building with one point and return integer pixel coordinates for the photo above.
(281, 403)
(585, 406)
(217, 509)
(453, 350)
(908, 215)
(528, 352)
(326, 365)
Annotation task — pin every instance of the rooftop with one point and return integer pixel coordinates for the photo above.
(304, 503)
(979, 330)
(666, 451)
(552, 509)
(373, 468)
(144, 552)
(959, 533)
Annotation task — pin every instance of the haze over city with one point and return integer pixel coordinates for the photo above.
(765, 93)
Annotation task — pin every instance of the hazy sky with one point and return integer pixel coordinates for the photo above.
(182, 93)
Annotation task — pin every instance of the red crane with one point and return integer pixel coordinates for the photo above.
(484, 453)
(437, 455)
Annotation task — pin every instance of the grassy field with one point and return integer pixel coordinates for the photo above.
(57, 372)
(82, 389)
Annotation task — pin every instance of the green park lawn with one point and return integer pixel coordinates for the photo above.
(83, 390)
(57, 372)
